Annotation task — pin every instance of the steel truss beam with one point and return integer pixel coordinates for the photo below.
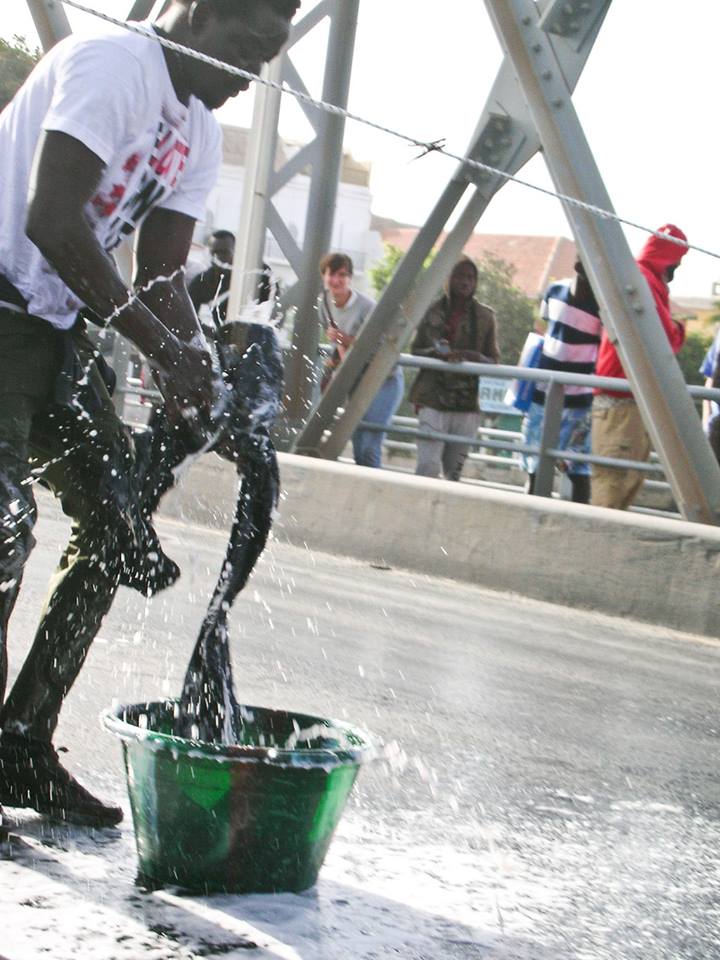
(628, 308)
(140, 10)
(50, 21)
(505, 138)
(546, 48)
(323, 158)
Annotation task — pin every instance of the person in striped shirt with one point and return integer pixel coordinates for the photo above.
(571, 344)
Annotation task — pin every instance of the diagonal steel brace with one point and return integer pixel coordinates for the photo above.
(628, 309)
(505, 138)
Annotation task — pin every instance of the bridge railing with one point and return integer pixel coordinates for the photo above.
(491, 446)
(548, 450)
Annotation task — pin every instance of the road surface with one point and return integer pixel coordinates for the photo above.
(549, 787)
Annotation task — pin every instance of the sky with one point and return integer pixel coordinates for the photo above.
(646, 99)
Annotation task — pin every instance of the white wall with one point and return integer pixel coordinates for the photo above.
(351, 230)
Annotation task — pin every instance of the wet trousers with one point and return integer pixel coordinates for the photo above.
(84, 455)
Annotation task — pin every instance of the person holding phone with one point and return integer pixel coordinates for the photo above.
(457, 327)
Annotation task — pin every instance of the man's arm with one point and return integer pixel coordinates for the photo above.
(196, 291)
(65, 176)
(163, 246)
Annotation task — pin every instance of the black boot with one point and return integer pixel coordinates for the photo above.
(31, 776)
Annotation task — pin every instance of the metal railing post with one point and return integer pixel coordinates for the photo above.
(549, 436)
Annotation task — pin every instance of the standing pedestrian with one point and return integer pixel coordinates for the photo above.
(211, 287)
(457, 327)
(343, 311)
(618, 430)
(570, 344)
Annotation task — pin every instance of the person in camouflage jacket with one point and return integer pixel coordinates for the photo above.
(457, 327)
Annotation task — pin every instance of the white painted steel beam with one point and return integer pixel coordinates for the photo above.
(50, 21)
(259, 163)
(628, 308)
(320, 215)
(140, 10)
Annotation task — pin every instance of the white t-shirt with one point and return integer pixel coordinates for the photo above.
(348, 318)
(112, 91)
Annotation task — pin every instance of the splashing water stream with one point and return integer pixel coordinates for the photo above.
(248, 392)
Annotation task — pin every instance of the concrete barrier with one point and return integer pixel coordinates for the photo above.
(646, 568)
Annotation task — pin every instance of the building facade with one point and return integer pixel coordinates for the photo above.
(352, 230)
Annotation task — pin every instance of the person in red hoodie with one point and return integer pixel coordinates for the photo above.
(617, 427)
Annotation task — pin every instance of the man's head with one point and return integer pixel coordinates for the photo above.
(222, 247)
(336, 269)
(463, 279)
(582, 292)
(242, 33)
(663, 256)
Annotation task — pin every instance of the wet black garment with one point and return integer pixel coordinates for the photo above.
(84, 454)
(252, 377)
(212, 288)
(209, 709)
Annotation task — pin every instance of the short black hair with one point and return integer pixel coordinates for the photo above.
(226, 8)
(222, 235)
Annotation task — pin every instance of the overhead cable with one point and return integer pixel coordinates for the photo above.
(433, 146)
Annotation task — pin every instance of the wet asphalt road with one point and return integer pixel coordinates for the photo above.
(573, 755)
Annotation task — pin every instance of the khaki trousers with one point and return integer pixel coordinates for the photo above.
(617, 431)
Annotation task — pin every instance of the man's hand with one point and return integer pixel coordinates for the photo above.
(342, 339)
(443, 351)
(185, 381)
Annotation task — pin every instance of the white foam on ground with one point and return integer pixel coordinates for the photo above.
(69, 893)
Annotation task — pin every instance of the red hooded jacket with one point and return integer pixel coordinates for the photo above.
(655, 257)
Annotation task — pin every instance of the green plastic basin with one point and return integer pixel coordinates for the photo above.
(256, 817)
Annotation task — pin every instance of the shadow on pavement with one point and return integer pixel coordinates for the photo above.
(70, 893)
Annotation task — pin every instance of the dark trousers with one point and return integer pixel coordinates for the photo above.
(84, 454)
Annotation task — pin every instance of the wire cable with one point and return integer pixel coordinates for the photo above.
(433, 146)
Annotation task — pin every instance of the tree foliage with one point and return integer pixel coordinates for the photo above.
(515, 312)
(381, 273)
(16, 62)
(692, 355)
